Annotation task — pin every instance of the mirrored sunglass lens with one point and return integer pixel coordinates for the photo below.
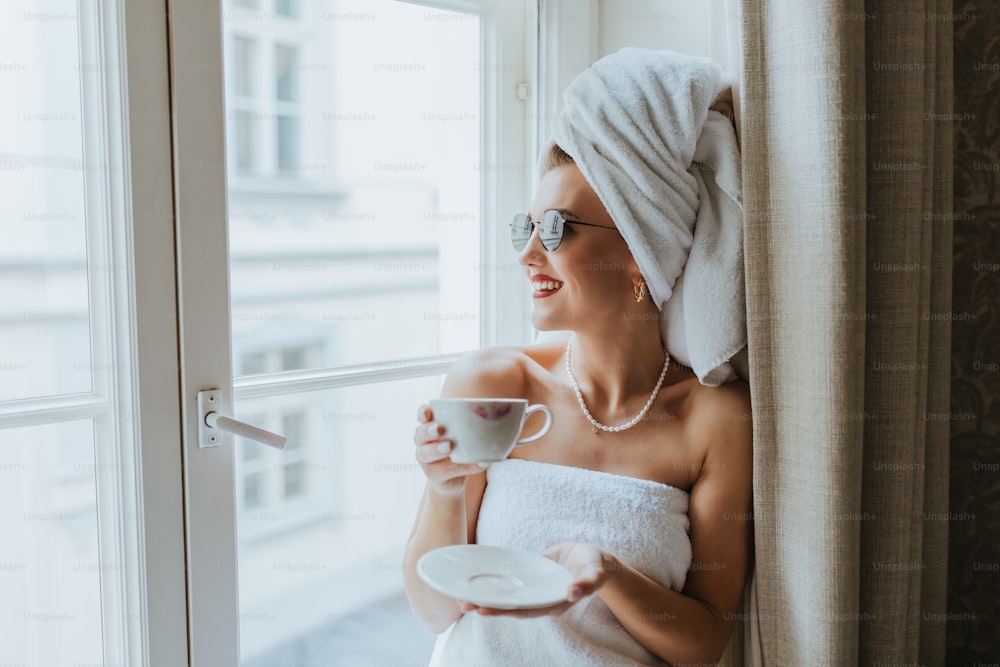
(551, 230)
(520, 231)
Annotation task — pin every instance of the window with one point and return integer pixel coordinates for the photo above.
(271, 485)
(295, 464)
(286, 67)
(244, 67)
(360, 254)
(287, 8)
(76, 565)
(291, 357)
(264, 97)
(276, 483)
(365, 255)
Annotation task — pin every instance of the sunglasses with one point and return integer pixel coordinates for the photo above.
(550, 229)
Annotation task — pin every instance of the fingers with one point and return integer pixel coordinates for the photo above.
(554, 552)
(586, 583)
(578, 591)
(424, 414)
(442, 473)
(589, 576)
(432, 452)
(428, 432)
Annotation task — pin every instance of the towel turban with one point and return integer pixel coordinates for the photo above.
(640, 126)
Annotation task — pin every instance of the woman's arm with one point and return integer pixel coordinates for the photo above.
(695, 626)
(449, 509)
(441, 521)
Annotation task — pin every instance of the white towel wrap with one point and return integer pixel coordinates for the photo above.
(640, 127)
(531, 505)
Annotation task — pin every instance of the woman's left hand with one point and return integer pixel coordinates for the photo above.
(590, 566)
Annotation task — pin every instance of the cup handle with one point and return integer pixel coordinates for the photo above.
(544, 430)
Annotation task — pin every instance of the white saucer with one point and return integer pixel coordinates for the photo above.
(495, 576)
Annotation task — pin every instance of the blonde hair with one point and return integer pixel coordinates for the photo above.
(557, 157)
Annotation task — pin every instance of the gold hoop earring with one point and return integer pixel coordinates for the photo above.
(639, 291)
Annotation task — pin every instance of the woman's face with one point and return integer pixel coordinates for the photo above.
(592, 268)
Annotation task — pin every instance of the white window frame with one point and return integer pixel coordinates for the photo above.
(133, 401)
(568, 34)
(146, 404)
(204, 322)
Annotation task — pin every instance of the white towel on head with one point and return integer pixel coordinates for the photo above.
(531, 505)
(640, 127)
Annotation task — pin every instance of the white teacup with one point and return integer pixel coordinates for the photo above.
(486, 429)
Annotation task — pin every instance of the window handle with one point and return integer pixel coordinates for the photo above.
(211, 424)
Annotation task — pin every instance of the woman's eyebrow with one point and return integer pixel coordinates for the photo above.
(565, 213)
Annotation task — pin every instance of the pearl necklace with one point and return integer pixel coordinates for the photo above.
(583, 406)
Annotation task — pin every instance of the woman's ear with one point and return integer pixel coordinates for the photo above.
(634, 272)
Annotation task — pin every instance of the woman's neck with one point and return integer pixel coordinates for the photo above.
(615, 368)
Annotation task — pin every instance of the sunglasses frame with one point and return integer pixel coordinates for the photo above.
(550, 229)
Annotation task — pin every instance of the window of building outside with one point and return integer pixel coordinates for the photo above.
(356, 192)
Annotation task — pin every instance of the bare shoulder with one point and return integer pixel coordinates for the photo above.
(502, 371)
(721, 421)
(492, 371)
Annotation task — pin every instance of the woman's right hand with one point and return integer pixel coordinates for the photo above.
(433, 454)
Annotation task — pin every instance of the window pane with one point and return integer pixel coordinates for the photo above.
(373, 250)
(246, 139)
(285, 65)
(295, 479)
(320, 576)
(288, 143)
(244, 66)
(50, 580)
(45, 341)
(250, 451)
(293, 358)
(289, 8)
(293, 428)
(253, 363)
(253, 491)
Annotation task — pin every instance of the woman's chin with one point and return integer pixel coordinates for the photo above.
(543, 323)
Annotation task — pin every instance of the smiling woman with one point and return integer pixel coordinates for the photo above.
(642, 488)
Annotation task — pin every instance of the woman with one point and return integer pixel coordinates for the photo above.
(642, 488)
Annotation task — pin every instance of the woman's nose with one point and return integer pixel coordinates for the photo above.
(533, 250)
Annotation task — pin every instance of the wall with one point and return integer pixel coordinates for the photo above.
(678, 25)
(973, 558)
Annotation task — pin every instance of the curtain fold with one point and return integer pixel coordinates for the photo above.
(940, 184)
(846, 136)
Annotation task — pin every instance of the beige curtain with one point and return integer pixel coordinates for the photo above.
(847, 189)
